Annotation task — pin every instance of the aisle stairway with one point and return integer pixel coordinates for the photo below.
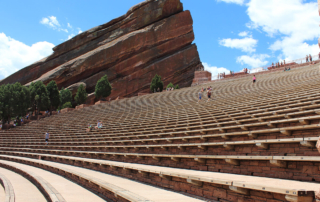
(251, 142)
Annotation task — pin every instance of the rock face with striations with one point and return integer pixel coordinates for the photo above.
(153, 37)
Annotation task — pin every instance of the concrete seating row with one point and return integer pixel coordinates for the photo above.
(94, 181)
(291, 190)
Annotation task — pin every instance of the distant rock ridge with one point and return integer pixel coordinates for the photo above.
(153, 37)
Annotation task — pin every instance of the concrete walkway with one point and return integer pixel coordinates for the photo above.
(139, 190)
(24, 190)
(70, 191)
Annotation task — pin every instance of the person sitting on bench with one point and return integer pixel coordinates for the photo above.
(99, 125)
(89, 128)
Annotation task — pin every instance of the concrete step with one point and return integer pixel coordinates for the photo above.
(64, 189)
(120, 186)
(25, 191)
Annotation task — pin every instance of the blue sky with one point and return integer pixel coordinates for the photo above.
(230, 34)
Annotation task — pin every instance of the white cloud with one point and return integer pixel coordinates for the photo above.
(70, 36)
(15, 55)
(255, 70)
(51, 21)
(79, 31)
(69, 25)
(294, 20)
(254, 61)
(64, 30)
(244, 34)
(246, 44)
(240, 2)
(214, 70)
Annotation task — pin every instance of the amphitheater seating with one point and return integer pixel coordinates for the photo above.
(251, 142)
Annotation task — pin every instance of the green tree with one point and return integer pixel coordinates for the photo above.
(103, 87)
(7, 102)
(14, 101)
(81, 95)
(65, 95)
(1, 106)
(156, 83)
(39, 96)
(21, 96)
(177, 86)
(170, 85)
(66, 105)
(54, 94)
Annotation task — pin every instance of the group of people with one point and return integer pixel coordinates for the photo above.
(97, 127)
(221, 75)
(286, 69)
(278, 64)
(170, 89)
(309, 58)
(47, 113)
(209, 93)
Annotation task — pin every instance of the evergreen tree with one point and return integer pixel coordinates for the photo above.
(81, 95)
(156, 83)
(1, 105)
(6, 102)
(14, 101)
(103, 87)
(177, 86)
(21, 98)
(65, 95)
(39, 96)
(54, 94)
(170, 85)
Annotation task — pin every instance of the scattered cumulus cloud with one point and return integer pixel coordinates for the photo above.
(64, 30)
(51, 21)
(254, 61)
(240, 2)
(14, 55)
(246, 44)
(214, 70)
(255, 70)
(71, 36)
(245, 33)
(79, 31)
(295, 21)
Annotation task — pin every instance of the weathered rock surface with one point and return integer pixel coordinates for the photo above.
(74, 87)
(153, 37)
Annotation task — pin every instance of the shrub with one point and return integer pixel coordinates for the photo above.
(66, 105)
(170, 85)
(156, 83)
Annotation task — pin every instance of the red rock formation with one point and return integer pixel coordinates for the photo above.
(154, 37)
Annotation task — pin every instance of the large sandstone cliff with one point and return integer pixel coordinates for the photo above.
(153, 37)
